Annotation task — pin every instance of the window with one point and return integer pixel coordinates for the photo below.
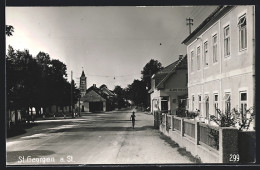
(227, 102)
(199, 100)
(215, 48)
(192, 103)
(207, 106)
(198, 58)
(192, 60)
(226, 41)
(242, 33)
(243, 102)
(216, 104)
(206, 53)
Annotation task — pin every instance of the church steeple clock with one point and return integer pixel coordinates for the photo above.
(83, 83)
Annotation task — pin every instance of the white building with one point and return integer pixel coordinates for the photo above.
(221, 61)
(169, 87)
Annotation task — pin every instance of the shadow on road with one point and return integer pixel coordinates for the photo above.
(106, 128)
(19, 129)
(15, 156)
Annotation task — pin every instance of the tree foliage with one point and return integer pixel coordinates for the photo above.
(36, 81)
(120, 98)
(138, 93)
(152, 67)
(9, 29)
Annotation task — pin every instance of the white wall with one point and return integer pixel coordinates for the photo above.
(234, 73)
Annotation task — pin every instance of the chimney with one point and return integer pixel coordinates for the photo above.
(180, 57)
(94, 85)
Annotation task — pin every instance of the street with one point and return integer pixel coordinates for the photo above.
(93, 138)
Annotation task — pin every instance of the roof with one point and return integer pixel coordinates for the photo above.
(161, 76)
(107, 91)
(215, 15)
(104, 92)
(97, 90)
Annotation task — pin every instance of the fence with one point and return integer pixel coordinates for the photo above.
(168, 123)
(211, 144)
(209, 135)
(177, 123)
(189, 128)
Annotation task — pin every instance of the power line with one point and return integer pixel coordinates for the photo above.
(112, 75)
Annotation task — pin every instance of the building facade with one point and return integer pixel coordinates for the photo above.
(221, 61)
(97, 99)
(169, 87)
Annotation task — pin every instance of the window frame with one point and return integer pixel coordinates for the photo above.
(198, 57)
(199, 102)
(206, 99)
(206, 54)
(227, 100)
(243, 102)
(216, 103)
(192, 102)
(227, 37)
(192, 61)
(240, 31)
(215, 46)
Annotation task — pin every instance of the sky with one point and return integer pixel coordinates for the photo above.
(111, 44)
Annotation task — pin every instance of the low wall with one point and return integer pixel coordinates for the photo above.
(226, 139)
(247, 146)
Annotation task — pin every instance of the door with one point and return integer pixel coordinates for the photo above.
(95, 106)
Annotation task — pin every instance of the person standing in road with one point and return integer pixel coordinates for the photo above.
(132, 117)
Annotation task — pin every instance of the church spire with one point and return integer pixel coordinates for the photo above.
(83, 83)
(83, 74)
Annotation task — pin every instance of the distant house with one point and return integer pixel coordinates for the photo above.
(97, 99)
(221, 61)
(106, 91)
(169, 87)
(110, 96)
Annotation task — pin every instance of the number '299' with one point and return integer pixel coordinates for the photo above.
(234, 157)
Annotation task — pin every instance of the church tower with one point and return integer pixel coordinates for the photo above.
(83, 84)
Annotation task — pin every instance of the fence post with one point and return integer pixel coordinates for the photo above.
(182, 127)
(172, 122)
(228, 145)
(197, 133)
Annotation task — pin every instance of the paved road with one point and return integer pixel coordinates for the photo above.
(101, 138)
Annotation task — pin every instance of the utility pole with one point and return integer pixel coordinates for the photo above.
(71, 96)
(79, 105)
(189, 22)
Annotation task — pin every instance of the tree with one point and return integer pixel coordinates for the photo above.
(152, 67)
(9, 29)
(36, 81)
(138, 93)
(22, 77)
(120, 96)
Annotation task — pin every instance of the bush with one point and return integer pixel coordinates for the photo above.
(181, 112)
(192, 115)
(234, 118)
